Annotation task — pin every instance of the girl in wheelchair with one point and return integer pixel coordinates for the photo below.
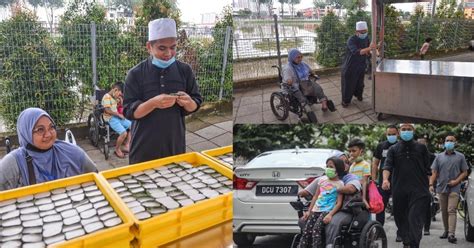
(325, 203)
(300, 81)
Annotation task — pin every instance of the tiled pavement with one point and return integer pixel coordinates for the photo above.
(202, 134)
(253, 106)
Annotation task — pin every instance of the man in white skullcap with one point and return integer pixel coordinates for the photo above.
(408, 163)
(159, 92)
(353, 67)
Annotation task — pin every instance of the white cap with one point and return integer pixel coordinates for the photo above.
(407, 124)
(361, 26)
(161, 28)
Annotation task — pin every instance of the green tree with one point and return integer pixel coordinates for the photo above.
(282, 2)
(393, 39)
(419, 28)
(353, 17)
(330, 41)
(117, 51)
(251, 140)
(210, 58)
(356, 4)
(292, 4)
(320, 4)
(154, 9)
(42, 80)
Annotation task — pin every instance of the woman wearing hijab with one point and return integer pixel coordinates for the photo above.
(41, 157)
(297, 72)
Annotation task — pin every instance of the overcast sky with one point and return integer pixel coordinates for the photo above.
(191, 10)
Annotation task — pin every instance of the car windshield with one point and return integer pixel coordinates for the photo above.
(302, 158)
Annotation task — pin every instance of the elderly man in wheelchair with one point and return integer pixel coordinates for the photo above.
(351, 226)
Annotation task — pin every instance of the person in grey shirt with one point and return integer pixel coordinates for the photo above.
(41, 157)
(449, 169)
(351, 189)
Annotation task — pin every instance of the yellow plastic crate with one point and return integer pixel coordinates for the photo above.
(118, 236)
(213, 153)
(219, 236)
(184, 221)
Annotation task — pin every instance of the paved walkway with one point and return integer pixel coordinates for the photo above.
(202, 134)
(253, 106)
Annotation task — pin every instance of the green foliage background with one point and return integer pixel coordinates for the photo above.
(34, 71)
(251, 140)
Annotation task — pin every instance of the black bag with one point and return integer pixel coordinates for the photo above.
(306, 87)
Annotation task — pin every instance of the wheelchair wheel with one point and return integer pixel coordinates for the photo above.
(93, 126)
(106, 150)
(296, 241)
(310, 114)
(373, 236)
(279, 106)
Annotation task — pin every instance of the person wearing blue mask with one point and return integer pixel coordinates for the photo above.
(354, 64)
(159, 92)
(408, 165)
(41, 157)
(378, 161)
(449, 169)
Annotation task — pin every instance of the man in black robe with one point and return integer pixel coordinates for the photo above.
(354, 64)
(408, 163)
(159, 92)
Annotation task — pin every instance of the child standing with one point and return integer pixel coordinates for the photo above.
(425, 47)
(359, 167)
(325, 203)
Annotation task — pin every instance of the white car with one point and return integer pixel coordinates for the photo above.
(469, 209)
(264, 188)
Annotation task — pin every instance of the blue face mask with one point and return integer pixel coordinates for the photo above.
(449, 145)
(363, 36)
(406, 135)
(161, 63)
(392, 138)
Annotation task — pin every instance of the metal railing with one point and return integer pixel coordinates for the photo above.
(57, 70)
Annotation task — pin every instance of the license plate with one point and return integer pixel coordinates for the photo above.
(266, 190)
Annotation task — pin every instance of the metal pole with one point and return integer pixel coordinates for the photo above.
(374, 51)
(224, 62)
(433, 9)
(275, 19)
(94, 57)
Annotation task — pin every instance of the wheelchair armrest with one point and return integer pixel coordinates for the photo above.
(300, 205)
(356, 204)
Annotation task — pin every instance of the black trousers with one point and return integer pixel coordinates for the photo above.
(352, 84)
(409, 212)
(385, 197)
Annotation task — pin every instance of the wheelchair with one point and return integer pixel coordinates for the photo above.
(100, 133)
(283, 102)
(359, 233)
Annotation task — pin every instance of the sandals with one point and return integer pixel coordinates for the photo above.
(331, 106)
(116, 154)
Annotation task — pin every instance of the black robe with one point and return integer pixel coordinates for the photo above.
(353, 69)
(161, 133)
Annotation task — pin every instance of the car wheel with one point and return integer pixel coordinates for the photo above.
(468, 228)
(244, 239)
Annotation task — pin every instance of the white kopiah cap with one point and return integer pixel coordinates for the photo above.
(407, 124)
(361, 26)
(161, 28)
